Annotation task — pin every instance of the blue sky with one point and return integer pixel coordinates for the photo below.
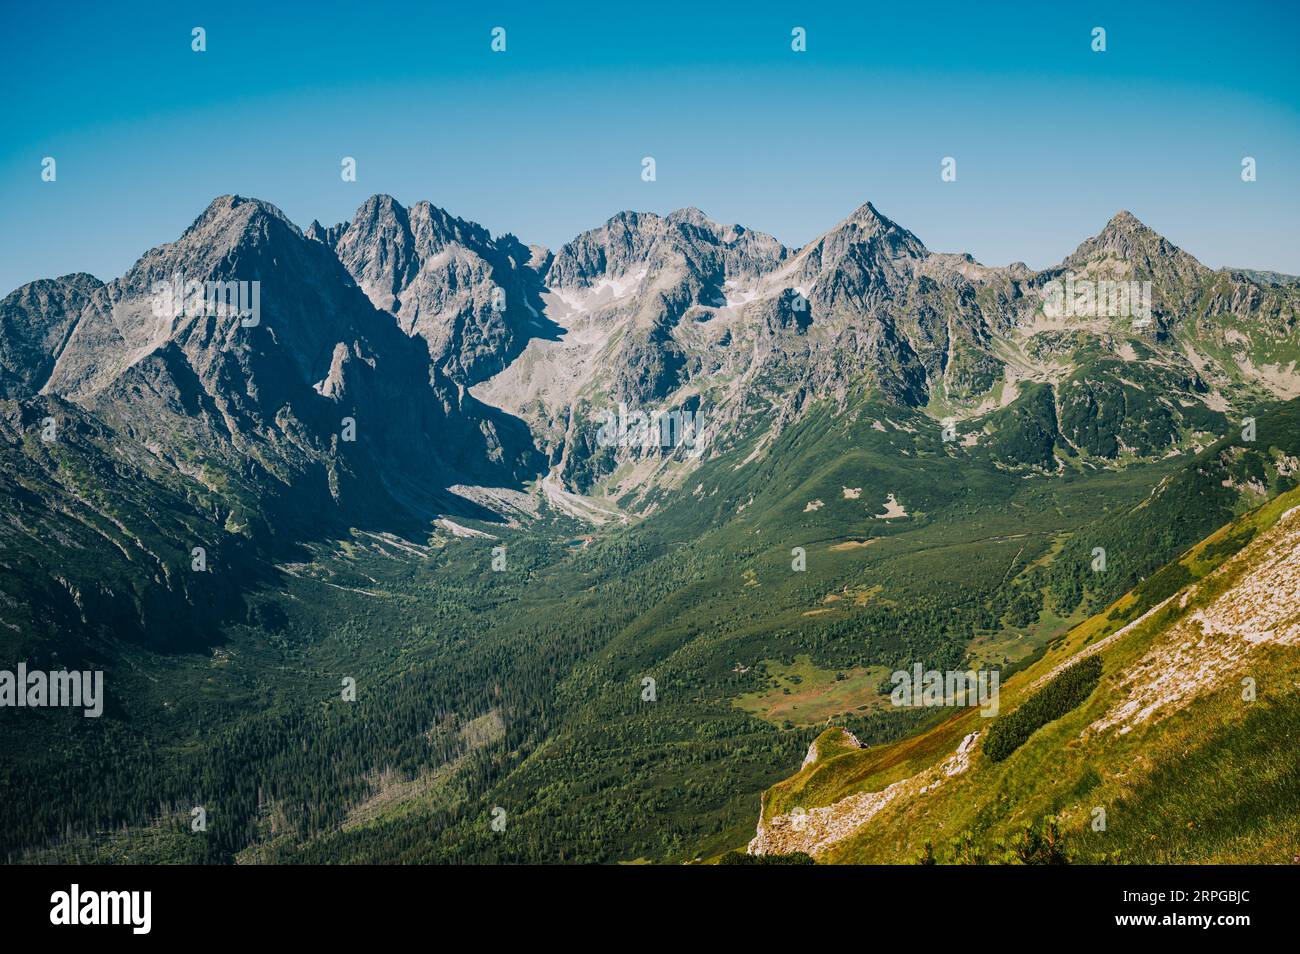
(546, 139)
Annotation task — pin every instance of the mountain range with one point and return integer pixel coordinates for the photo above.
(946, 441)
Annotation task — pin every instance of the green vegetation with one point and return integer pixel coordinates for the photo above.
(1037, 843)
(1205, 775)
(1065, 692)
(240, 712)
(802, 694)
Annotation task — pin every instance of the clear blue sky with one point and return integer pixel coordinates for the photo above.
(546, 139)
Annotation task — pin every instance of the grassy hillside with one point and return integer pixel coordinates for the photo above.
(1181, 753)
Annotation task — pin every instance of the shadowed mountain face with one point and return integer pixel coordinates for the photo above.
(99, 536)
(473, 300)
(297, 412)
(35, 322)
(265, 396)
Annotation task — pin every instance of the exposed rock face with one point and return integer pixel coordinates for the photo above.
(682, 312)
(815, 830)
(1258, 607)
(263, 396)
(35, 322)
(683, 247)
(656, 271)
(474, 300)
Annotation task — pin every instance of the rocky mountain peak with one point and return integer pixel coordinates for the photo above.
(1125, 219)
(1126, 231)
(228, 217)
(691, 216)
(867, 223)
(685, 243)
(234, 238)
(434, 229)
(327, 235)
(399, 236)
(626, 241)
(471, 298)
(866, 250)
(1126, 239)
(379, 207)
(867, 215)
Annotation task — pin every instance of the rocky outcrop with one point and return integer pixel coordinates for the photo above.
(35, 323)
(815, 830)
(258, 390)
(471, 298)
(1257, 606)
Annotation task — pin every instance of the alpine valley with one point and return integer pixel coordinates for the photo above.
(408, 569)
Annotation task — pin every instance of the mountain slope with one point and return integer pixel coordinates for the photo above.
(97, 541)
(35, 322)
(1176, 756)
(210, 428)
(472, 299)
(750, 655)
